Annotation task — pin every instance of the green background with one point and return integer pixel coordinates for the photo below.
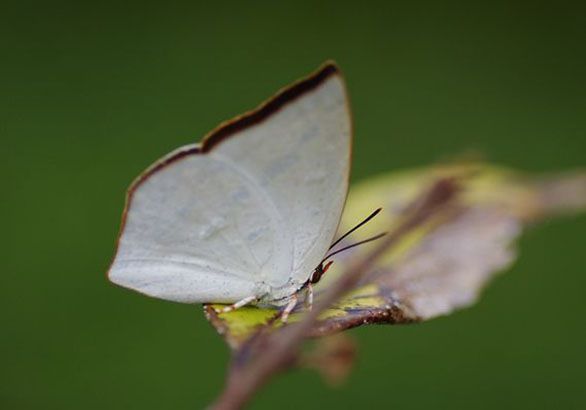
(90, 94)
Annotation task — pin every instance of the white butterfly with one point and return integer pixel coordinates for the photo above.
(247, 215)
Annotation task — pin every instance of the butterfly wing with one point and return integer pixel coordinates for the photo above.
(251, 210)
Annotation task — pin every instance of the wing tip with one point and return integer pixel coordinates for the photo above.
(328, 67)
(270, 106)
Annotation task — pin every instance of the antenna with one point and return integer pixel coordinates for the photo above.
(374, 238)
(368, 218)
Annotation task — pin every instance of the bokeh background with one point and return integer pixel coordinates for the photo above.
(92, 93)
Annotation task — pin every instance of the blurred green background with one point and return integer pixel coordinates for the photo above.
(92, 93)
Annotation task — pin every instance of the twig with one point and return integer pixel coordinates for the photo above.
(273, 352)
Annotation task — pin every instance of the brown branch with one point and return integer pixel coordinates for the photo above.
(272, 352)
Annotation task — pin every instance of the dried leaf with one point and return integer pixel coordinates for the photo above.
(441, 266)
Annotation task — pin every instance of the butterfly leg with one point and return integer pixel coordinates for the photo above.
(309, 296)
(289, 308)
(238, 304)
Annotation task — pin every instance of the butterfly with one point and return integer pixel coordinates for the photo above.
(247, 215)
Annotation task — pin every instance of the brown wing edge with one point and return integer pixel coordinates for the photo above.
(230, 128)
